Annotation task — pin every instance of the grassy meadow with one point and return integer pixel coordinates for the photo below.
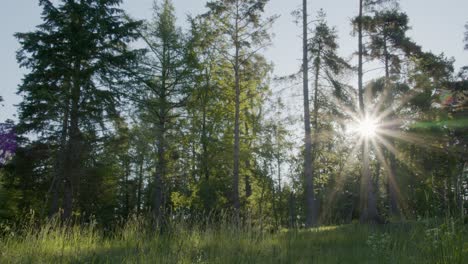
(411, 242)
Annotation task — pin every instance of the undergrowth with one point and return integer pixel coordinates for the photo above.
(182, 242)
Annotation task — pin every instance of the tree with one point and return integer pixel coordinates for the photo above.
(311, 204)
(326, 64)
(164, 76)
(209, 108)
(368, 197)
(244, 33)
(388, 42)
(75, 58)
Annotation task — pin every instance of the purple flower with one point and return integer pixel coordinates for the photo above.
(7, 142)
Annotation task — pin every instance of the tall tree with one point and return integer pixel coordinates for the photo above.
(326, 65)
(75, 58)
(389, 43)
(164, 75)
(311, 204)
(368, 197)
(244, 34)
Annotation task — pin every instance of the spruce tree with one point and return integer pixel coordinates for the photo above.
(75, 58)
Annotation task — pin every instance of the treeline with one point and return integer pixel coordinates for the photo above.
(189, 126)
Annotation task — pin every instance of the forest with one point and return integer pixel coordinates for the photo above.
(143, 141)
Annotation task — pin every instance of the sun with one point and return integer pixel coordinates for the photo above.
(367, 127)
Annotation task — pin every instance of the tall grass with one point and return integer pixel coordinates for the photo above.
(223, 242)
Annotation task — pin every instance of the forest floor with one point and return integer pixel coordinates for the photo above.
(411, 242)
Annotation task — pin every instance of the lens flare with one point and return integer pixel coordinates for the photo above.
(367, 127)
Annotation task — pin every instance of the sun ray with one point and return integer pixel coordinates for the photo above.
(390, 175)
(400, 156)
(345, 164)
(398, 105)
(425, 141)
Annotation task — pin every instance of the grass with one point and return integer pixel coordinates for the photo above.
(421, 242)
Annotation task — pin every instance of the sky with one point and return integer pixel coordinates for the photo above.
(437, 26)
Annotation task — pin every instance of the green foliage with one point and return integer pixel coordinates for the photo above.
(76, 59)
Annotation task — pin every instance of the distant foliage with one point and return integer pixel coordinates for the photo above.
(7, 142)
(466, 36)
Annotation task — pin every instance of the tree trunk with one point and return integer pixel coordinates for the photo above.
(292, 211)
(369, 212)
(462, 182)
(278, 162)
(360, 51)
(368, 201)
(160, 172)
(140, 183)
(204, 137)
(71, 173)
(235, 176)
(127, 192)
(59, 169)
(391, 181)
(262, 196)
(311, 215)
(274, 199)
(248, 186)
(316, 126)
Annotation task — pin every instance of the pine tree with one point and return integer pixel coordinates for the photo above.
(311, 203)
(388, 40)
(326, 64)
(368, 196)
(75, 58)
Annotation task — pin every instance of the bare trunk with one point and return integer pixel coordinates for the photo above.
(278, 161)
(274, 203)
(369, 208)
(262, 196)
(462, 192)
(72, 156)
(391, 181)
(392, 187)
(360, 51)
(127, 193)
(316, 126)
(204, 138)
(311, 215)
(235, 176)
(248, 186)
(59, 169)
(139, 187)
(292, 211)
(159, 174)
(368, 200)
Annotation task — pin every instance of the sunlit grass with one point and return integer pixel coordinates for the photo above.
(403, 243)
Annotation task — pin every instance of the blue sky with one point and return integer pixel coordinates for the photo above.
(436, 25)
